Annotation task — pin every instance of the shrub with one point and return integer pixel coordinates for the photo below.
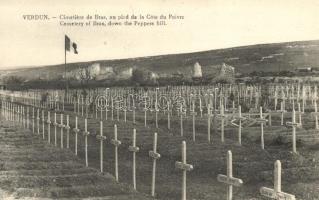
(143, 77)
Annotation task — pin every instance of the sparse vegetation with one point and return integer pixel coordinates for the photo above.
(253, 61)
(143, 77)
(14, 82)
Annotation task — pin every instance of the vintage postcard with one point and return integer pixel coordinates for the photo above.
(158, 99)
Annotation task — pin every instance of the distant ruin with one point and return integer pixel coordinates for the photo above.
(214, 73)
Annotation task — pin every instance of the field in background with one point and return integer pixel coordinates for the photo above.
(265, 57)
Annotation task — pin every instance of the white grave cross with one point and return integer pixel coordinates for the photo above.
(85, 134)
(294, 125)
(316, 115)
(240, 118)
(134, 149)
(276, 193)
(101, 137)
(76, 131)
(194, 113)
(153, 154)
(61, 126)
(262, 120)
(38, 122)
(43, 123)
(33, 117)
(116, 143)
(209, 114)
(49, 127)
(67, 127)
(182, 113)
(222, 116)
(184, 167)
(229, 179)
(55, 124)
(282, 111)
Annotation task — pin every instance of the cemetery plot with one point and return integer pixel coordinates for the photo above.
(209, 122)
(42, 171)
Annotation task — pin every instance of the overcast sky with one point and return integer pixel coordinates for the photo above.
(207, 25)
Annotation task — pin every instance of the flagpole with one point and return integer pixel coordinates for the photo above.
(66, 81)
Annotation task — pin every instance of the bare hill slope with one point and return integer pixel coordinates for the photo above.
(245, 59)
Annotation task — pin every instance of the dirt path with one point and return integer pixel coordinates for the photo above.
(31, 169)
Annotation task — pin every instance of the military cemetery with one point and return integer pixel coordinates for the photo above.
(159, 100)
(141, 146)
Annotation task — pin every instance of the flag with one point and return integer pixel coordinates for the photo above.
(68, 45)
(75, 46)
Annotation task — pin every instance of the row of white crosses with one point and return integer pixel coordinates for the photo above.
(124, 108)
(228, 179)
(145, 97)
(182, 113)
(9, 111)
(261, 120)
(24, 117)
(169, 117)
(306, 87)
(208, 100)
(231, 181)
(60, 95)
(184, 166)
(292, 124)
(76, 131)
(297, 92)
(56, 125)
(254, 89)
(316, 115)
(222, 116)
(38, 117)
(117, 103)
(134, 149)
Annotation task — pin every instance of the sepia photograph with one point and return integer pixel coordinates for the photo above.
(158, 99)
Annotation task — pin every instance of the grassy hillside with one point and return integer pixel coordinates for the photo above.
(245, 59)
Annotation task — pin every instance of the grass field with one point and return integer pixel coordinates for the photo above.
(250, 163)
(31, 169)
